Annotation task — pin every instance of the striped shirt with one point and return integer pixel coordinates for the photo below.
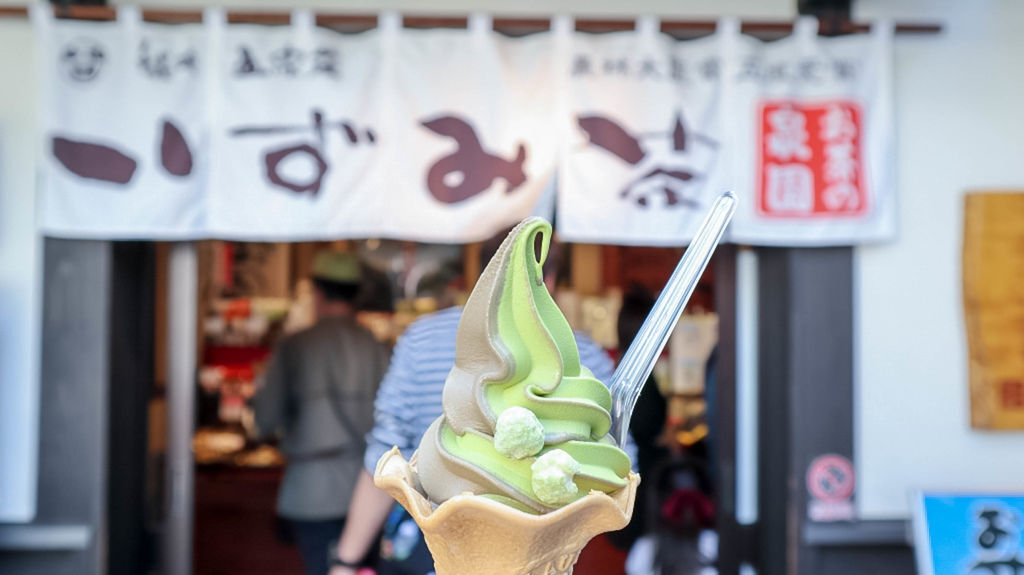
(409, 398)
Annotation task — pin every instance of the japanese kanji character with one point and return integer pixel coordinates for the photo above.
(841, 195)
(668, 181)
(247, 64)
(1012, 566)
(272, 162)
(581, 65)
(844, 69)
(837, 123)
(840, 163)
(789, 188)
(649, 68)
(1012, 394)
(998, 527)
(776, 71)
(287, 60)
(313, 151)
(677, 69)
(188, 60)
(788, 136)
(325, 61)
(751, 68)
(94, 161)
(607, 134)
(616, 65)
(810, 70)
(161, 63)
(156, 65)
(994, 531)
(709, 69)
(470, 170)
(175, 155)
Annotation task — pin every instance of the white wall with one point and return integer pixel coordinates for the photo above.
(960, 124)
(19, 276)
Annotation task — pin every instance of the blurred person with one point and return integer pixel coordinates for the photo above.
(408, 401)
(302, 314)
(318, 397)
(647, 424)
(674, 513)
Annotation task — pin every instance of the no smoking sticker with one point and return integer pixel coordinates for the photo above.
(830, 482)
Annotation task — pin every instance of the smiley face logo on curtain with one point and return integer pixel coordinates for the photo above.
(82, 59)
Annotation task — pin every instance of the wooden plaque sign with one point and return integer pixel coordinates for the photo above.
(993, 276)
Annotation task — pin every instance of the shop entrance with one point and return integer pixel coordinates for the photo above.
(224, 305)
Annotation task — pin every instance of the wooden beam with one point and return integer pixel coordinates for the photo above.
(282, 17)
(587, 263)
(471, 264)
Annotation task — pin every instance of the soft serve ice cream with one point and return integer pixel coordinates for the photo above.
(519, 473)
(524, 423)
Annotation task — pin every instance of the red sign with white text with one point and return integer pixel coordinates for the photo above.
(810, 160)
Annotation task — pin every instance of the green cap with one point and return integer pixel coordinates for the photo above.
(338, 267)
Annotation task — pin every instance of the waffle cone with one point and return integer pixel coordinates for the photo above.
(469, 534)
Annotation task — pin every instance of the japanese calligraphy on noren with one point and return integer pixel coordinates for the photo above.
(94, 161)
(288, 60)
(809, 71)
(212, 128)
(163, 62)
(811, 160)
(667, 172)
(311, 152)
(469, 170)
(670, 68)
(674, 68)
(175, 155)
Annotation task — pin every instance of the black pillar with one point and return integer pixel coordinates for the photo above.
(66, 536)
(732, 546)
(131, 362)
(773, 442)
(806, 368)
(97, 370)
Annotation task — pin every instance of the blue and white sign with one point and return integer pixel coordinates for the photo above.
(969, 534)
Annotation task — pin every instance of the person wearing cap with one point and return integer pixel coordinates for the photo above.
(318, 399)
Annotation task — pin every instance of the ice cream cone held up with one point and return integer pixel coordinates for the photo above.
(520, 471)
(471, 535)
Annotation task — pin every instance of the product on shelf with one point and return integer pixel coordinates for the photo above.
(216, 445)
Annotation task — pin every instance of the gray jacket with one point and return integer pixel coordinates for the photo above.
(318, 397)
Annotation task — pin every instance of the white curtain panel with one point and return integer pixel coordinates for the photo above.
(296, 117)
(811, 133)
(123, 127)
(642, 155)
(473, 142)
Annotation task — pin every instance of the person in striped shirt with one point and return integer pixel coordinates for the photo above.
(408, 401)
(409, 398)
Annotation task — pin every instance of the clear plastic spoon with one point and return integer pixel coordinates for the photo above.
(639, 359)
